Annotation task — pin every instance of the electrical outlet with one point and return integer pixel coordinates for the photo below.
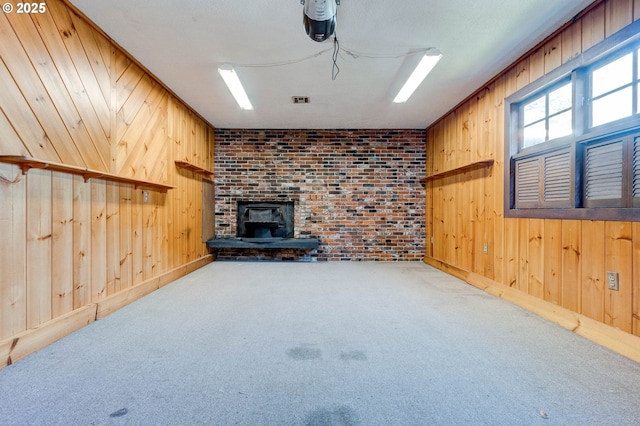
(485, 249)
(145, 196)
(613, 281)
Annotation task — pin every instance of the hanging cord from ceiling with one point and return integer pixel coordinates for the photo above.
(336, 51)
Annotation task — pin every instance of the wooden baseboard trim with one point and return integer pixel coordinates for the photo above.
(123, 298)
(610, 337)
(32, 340)
(29, 341)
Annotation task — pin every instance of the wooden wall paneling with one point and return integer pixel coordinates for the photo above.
(104, 66)
(449, 216)
(512, 252)
(428, 219)
(635, 228)
(523, 252)
(497, 240)
(171, 216)
(126, 237)
(113, 237)
(81, 242)
(62, 244)
(13, 228)
(38, 260)
(149, 211)
(34, 92)
(130, 100)
(464, 223)
(464, 189)
(618, 14)
(177, 196)
(158, 233)
(113, 110)
(536, 257)
(91, 69)
(90, 102)
(98, 240)
(120, 65)
(22, 120)
(439, 218)
(553, 255)
(572, 41)
(9, 140)
(211, 148)
(553, 54)
(459, 190)
(98, 63)
(137, 245)
(536, 64)
(153, 162)
(571, 264)
(593, 279)
(593, 27)
(133, 147)
(84, 129)
(522, 73)
(482, 203)
(196, 154)
(492, 136)
(162, 235)
(618, 305)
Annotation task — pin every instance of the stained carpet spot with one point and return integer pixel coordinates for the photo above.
(121, 412)
(353, 356)
(336, 416)
(304, 353)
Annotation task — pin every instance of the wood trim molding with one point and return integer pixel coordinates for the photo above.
(611, 338)
(123, 298)
(27, 163)
(192, 167)
(29, 341)
(467, 167)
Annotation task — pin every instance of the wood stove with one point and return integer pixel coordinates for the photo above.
(260, 221)
(264, 225)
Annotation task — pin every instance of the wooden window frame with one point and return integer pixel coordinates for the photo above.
(578, 71)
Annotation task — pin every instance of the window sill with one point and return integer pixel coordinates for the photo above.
(605, 213)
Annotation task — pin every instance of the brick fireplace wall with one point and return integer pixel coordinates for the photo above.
(357, 191)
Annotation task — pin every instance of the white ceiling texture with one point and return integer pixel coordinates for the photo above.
(183, 42)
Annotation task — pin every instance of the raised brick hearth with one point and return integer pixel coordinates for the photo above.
(357, 191)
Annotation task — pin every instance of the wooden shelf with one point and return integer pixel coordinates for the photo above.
(194, 168)
(27, 163)
(475, 165)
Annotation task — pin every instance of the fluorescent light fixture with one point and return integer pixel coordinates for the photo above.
(233, 83)
(428, 61)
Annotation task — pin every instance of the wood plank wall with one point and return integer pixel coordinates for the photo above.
(69, 95)
(560, 261)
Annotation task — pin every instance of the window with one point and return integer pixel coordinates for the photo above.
(574, 137)
(547, 117)
(612, 90)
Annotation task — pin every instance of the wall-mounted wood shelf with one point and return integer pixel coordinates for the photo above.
(475, 165)
(27, 163)
(194, 168)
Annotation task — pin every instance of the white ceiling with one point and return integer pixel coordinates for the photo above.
(183, 42)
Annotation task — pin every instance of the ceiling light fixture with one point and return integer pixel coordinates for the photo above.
(428, 61)
(235, 86)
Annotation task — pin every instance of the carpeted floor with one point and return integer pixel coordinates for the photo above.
(277, 343)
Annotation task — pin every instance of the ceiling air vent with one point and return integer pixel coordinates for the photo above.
(300, 99)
